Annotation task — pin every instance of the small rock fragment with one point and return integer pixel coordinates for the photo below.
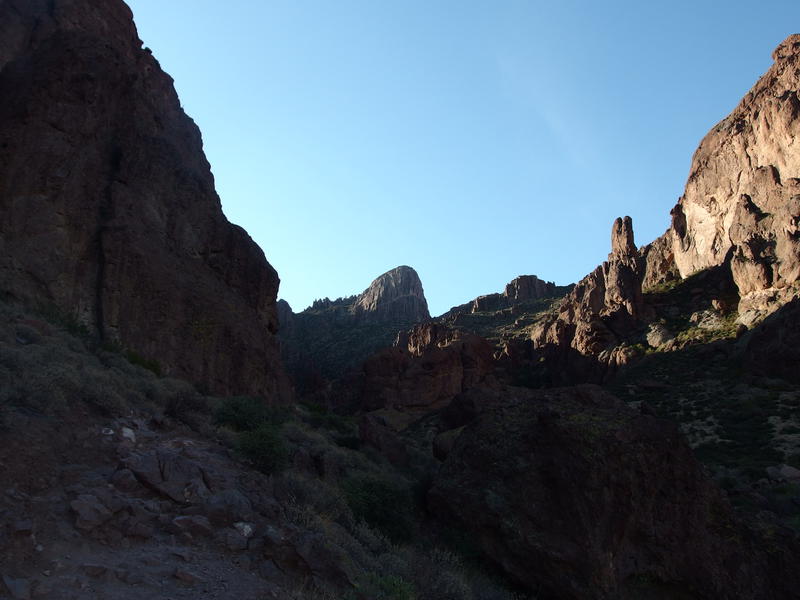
(93, 570)
(185, 576)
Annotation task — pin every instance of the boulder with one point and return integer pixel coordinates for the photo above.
(170, 473)
(91, 513)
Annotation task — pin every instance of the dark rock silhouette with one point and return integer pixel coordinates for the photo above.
(107, 203)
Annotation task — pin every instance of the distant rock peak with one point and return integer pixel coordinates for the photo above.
(397, 294)
(528, 287)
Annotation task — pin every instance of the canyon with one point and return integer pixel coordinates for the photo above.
(170, 429)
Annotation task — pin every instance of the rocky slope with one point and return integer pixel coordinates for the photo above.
(323, 342)
(108, 213)
(117, 483)
(600, 502)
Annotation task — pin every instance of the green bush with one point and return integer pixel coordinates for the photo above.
(246, 413)
(381, 502)
(388, 587)
(265, 448)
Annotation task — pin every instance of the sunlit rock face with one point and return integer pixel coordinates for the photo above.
(395, 295)
(107, 204)
(742, 198)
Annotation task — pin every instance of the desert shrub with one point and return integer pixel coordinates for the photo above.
(351, 442)
(102, 396)
(247, 413)
(388, 587)
(373, 540)
(181, 401)
(793, 460)
(265, 447)
(381, 502)
(150, 364)
(322, 498)
(320, 417)
(439, 575)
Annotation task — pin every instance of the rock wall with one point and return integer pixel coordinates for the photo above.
(742, 198)
(107, 204)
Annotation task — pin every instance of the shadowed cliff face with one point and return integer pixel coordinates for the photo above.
(107, 203)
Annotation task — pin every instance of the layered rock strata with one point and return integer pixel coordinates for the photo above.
(107, 204)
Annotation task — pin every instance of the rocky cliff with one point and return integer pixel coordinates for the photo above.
(740, 212)
(742, 198)
(108, 211)
(425, 369)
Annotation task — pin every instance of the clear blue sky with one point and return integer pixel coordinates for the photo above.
(473, 140)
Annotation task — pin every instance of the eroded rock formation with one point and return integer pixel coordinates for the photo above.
(107, 203)
(602, 309)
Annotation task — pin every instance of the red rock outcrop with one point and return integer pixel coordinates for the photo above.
(425, 369)
(577, 496)
(107, 203)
